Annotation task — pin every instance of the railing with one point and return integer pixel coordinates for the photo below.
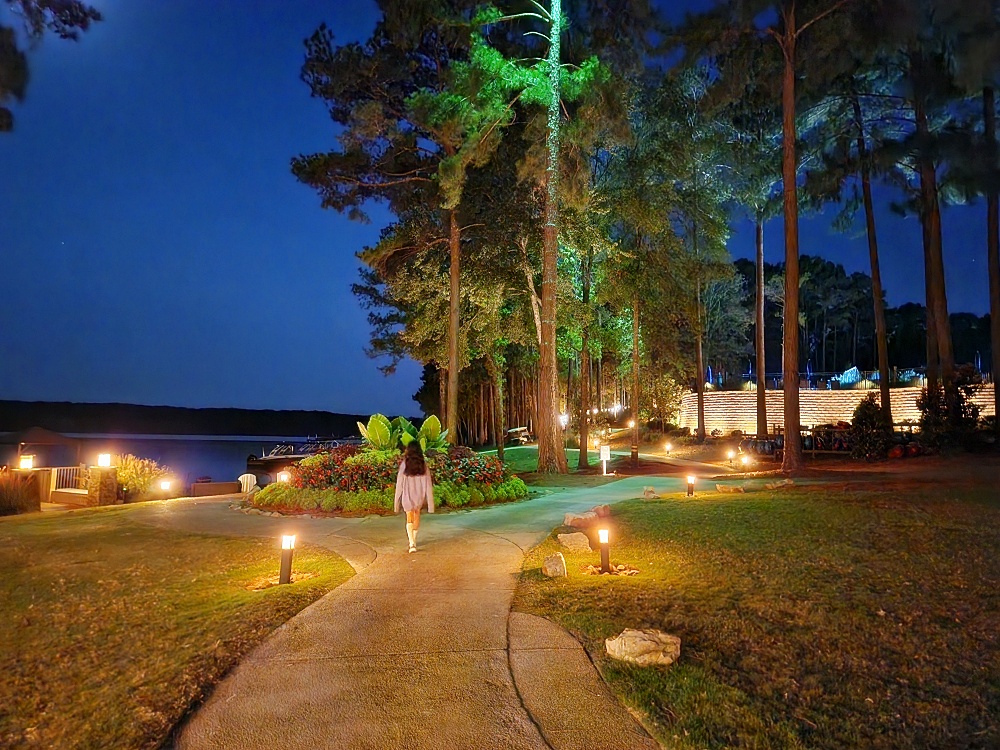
(66, 477)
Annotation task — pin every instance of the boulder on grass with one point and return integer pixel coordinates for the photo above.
(730, 488)
(554, 565)
(575, 542)
(602, 511)
(644, 647)
(580, 520)
(648, 493)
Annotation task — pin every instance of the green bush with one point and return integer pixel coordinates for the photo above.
(951, 422)
(871, 431)
(18, 493)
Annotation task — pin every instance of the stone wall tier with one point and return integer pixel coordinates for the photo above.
(737, 410)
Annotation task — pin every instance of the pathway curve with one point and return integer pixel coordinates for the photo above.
(416, 650)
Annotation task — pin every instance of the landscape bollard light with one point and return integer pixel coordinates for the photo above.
(745, 461)
(732, 455)
(691, 481)
(287, 548)
(667, 448)
(104, 460)
(602, 536)
(284, 476)
(165, 485)
(605, 457)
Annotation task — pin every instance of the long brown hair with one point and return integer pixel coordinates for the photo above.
(414, 459)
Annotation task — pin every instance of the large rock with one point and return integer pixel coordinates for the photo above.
(649, 493)
(575, 542)
(644, 647)
(554, 565)
(580, 520)
(602, 511)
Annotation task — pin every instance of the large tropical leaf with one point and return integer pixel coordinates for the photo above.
(431, 429)
(380, 433)
(364, 431)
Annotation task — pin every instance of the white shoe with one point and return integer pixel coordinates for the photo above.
(413, 548)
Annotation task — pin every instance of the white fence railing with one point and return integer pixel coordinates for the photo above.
(65, 477)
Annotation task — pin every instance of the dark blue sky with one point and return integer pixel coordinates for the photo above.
(157, 250)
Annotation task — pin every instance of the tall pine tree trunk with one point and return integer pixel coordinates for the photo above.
(759, 337)
(791, 462)
(551, 453)
(451, 413)
(993, 246)
(881, 339)
(499, 426)
(582, 461)
(937, 300)
(699, 381)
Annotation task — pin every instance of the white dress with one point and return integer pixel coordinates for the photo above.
(413, 492)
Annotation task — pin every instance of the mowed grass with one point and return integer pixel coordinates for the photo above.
(523, 460)
(112, 630)
(849, 617)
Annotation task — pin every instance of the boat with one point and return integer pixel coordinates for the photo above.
(283, 455)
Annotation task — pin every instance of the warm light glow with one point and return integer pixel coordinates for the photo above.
(165, 485)
(692, 480)
(668, 447)
(288, 541)
(104, 460)
(745, 460)
(602, 535)
(732, 455)
(631, 423)
(26, 462)
(564, 419)
(284, 476)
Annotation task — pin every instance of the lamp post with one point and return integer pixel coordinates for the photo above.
(732, 455)
(602, 536)
(605, 457)
(287, 548)
(691, 481)
(667, 448)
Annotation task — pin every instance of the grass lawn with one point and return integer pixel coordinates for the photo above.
(113, 629)
(859, 615)
(523, 460)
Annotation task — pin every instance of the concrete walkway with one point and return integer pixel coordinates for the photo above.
(416, 651)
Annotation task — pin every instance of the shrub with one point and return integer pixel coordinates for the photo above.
(871, 431)
(137, 475)
(18, 493)
(950, 421)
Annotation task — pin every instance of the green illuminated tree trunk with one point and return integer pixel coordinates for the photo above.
(582, 461)
(551, 453)
(635, 383)
(454, 242)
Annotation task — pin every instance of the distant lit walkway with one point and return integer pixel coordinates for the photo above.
(415, 651)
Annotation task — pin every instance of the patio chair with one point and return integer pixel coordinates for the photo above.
(248, 483)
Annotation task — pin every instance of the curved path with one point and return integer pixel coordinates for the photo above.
(416, 650)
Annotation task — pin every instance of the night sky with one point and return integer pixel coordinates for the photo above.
(157, 250)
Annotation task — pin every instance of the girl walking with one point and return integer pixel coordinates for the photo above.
(414, 490)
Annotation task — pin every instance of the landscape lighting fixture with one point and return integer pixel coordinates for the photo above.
(26, 461)
(667, 447)
(284, 476)
(602, 537)
(564, 420)
(691, 481)
(287, 548)
(745, 460)
(631, 423)
(165, 485)
(104, 460)
(732, 455)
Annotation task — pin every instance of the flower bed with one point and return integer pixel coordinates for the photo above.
(355, 480)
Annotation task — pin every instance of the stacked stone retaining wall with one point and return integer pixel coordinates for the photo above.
(737, 410)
